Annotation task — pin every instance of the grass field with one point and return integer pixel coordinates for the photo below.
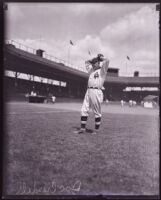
(44, 156)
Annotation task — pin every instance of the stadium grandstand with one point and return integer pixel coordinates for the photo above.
(27, 69)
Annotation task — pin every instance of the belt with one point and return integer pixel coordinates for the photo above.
(94, 88)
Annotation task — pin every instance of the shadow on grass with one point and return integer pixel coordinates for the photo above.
(87, 130)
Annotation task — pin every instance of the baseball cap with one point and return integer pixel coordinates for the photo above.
(99, 55)
(94, 60)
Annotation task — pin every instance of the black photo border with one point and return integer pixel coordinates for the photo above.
(2, 108)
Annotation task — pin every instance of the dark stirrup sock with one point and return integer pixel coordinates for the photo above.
(83, 122)
(97, 122)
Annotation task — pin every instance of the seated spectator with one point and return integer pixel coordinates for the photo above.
(33, 93)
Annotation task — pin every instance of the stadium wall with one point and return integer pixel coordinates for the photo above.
(16, 89)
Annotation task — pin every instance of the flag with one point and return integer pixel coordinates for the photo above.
(89, 52)
(71, 42)
(128, 58)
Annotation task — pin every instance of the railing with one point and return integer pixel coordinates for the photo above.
(45, 55)
(149, 74)
(140, 74)
(21, 46)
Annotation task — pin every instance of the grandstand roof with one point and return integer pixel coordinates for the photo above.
(47, 66)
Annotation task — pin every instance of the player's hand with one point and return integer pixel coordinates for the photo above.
(100, 57)
(87, 64)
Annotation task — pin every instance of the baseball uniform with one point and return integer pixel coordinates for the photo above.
(94, 95)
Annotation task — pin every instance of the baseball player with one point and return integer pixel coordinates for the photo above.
(94, 95)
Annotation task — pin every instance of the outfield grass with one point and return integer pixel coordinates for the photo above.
(44, 156)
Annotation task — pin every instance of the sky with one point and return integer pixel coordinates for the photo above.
(116, 30)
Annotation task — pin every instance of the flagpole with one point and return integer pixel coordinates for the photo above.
(40, 43)
(126, 67)
(127, 58)
(69, 54)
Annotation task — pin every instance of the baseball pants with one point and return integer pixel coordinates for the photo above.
(93, 99)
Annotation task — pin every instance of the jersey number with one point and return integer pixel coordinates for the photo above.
(96, 75)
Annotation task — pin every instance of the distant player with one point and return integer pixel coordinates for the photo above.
(94, 95)
(122, 103)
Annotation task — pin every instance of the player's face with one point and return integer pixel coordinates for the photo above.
(96, 65)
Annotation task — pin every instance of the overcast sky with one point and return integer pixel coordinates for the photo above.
(117, 30)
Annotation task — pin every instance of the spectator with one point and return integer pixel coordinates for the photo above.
(33, 93)
(51, 98)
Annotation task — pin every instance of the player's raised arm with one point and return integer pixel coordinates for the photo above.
(88, 66)
(105, 65)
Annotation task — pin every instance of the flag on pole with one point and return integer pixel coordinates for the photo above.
(128, 57)
(71, 42)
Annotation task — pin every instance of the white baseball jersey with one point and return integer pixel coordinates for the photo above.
(94, 97)
(97, 77)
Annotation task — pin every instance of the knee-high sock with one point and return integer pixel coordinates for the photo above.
(83, 122)
(97, 122)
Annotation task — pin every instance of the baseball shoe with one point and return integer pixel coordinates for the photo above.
(80, 131)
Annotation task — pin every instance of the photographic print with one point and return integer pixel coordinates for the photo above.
(81, 99)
